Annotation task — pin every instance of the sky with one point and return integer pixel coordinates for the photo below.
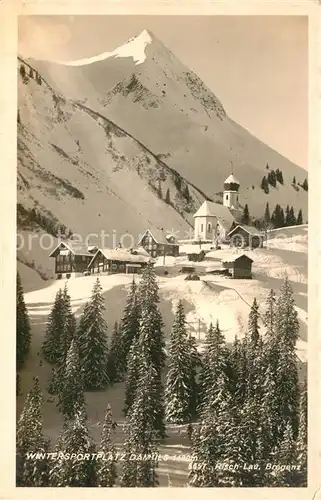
(256, 65)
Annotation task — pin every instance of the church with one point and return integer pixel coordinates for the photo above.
(213, 221)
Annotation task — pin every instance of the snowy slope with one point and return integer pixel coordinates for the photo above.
(146, 90)
(86, 173)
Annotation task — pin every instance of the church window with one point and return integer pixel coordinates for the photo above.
(201, 227)
(237, 198)
(226, 197)
(209, 227)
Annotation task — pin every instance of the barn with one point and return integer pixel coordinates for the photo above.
(243, 236)
(240, 266)
(158, 244)
(118, 260)
(72, 258)
(195, 255)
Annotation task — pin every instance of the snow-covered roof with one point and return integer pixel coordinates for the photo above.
(121, 254)
(211, 209)
(159, 235)
(74, 246)
(231, 179)
(237, 257)
(249, 229)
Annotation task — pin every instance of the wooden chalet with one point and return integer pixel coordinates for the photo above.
(243, 236)
(240, 267)
(158, 244)
(118, 260)
(71, 258)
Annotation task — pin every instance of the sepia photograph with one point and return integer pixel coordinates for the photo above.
(162, 251)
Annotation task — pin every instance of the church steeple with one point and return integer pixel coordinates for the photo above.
(231, 192)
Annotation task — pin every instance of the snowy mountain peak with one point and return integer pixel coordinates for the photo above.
(134, 47)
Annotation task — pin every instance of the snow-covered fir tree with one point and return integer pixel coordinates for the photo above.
(209, 438)
(287, 334)
(23, 331)
(214, 365)
(151, 352)
(115, 356)
(60, 329)
(286, 455)
(106, 468)
(30, 439)
(302, 440)
(132, 376)
(129, 329)
(141, 444)
(151, 323)
(71, 384)
(180, 381)
(74, 441)
(92, 341)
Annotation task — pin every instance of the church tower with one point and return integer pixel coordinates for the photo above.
(231, 193)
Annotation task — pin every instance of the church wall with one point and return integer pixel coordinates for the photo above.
(205, 228)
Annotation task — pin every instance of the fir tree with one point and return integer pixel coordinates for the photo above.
(287, 216)
(57, 334)
(30, 439)
(186, 193)
(92, 341)
(22, 71)
(114, 356)
(132, 376)
(74, 441)
(71, 385)
(168, 197)
(141, 438)
(299, 220)
(23, 333)
(302, 441)
(31, 73)
(150, 351)
(209, 443)
(180, 383)
(237, 372)
(151, 323)
(267, 217)
(265, 185)
(106, 470)
(292, 220)
(129, 329)
(294, 181)
(287, 334)
(246, 215)
(286, 455)
(305, 185)
(214, 366)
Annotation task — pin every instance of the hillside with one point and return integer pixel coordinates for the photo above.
(79, 170)
(147, 91)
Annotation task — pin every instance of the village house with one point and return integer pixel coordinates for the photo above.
(71, 258)
(243, 236)
(240, 266)
(158, 244)
(118, 260)
(213, 221)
